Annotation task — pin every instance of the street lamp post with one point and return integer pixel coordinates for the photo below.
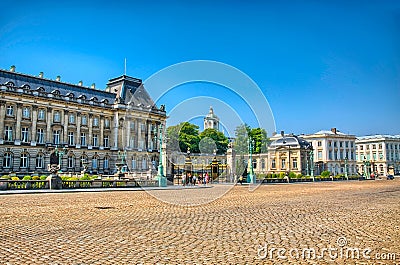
(367, 163)
(312, 162)
(250, 177)
(162, 180)
(60, 153)
(345, 169)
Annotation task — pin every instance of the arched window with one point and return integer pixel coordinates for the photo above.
(40, 160)
(24, 161)
(263, 163)
(82, 159)
(8, 160)
(71, 161)
(106, 162)
(95, 162)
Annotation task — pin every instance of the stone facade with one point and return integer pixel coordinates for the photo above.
(43, 119)
(332, 151)
(380, 153)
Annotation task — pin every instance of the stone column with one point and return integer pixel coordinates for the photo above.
(101, 141)
(18, 124)
(90, 142)
(149, 138)
(139, 134)
(65, 133)
(78, 129)
(128, 132)
(2, 117)
(49, 121)
(116, 131)
(34, 125)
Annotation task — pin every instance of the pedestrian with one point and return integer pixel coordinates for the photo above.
(241, 180)
(183, 180)
(194, 180)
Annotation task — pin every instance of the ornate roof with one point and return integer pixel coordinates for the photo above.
(211, 114)
(290, 140)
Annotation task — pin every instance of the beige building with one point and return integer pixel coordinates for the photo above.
(379, 154)
(333, 151)
(45, 121)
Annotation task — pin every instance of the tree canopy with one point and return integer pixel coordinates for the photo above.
(186, 135)
(242, 134)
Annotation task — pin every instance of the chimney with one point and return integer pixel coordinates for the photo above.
(93, 86)
(80, 83)
(58, 78)
(12, 68)
(282, 133)
(334, 130)
(41, 74)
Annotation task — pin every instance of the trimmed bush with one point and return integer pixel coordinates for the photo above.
(15, 178)
(6, 177)
(35, 178)
(27, 178)
(292, 175)
(325, 174)
(43, 177)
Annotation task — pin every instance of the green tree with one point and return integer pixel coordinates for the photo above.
(220, 140)
(183, 136)
(240, 144)
(260, 138)
(258, 135)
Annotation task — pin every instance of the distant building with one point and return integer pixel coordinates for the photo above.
(380, 153)
(211, 120)
(332, 151)
(45, 121)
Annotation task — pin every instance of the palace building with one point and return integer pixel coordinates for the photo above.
(378, 154)
(45, 121)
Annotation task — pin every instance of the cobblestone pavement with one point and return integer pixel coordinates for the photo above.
(241, 227)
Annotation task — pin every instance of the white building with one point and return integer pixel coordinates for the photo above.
(379, 153)
(333, 151)
(211, 120)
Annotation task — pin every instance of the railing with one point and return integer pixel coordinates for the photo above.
(75, 184)
(23, 184)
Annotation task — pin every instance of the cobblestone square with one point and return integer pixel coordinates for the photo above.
(241, 227)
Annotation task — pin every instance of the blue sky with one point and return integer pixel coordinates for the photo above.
(320, 64)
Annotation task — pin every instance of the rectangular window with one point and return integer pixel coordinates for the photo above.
(84, 120)
(10, 110)
(340, 144)
(56, 137)
(141, 144)
(24, 160)
(83, 139)
(94, 163)
(134, 163)
(347, 144)
(8, 133)
(132, 141)
(71, 161)
(330, 143)
(40, 161)
(26, 113)
(361, 147)
(95, 121)
(40, 136)
(273, 165)
(107, 123)
(283, 164)
(95, 140)
(295, 163)
(374, 156)
(7, 161)
(71, 140)
(24, 134)
(330, 155)
(319, 143)
(142, 127)
(319, 154)
(374, 146)
(57, 116)
(334, 144)
(106, 141)
(132, 125)
(41, 114)
(72, 118)
(105, 163)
